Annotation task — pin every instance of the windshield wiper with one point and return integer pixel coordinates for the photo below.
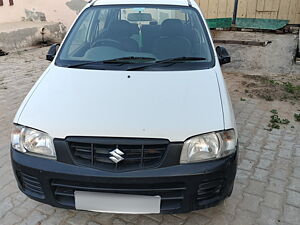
(122, 60)
(171, 60)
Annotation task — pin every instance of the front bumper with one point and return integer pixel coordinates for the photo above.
(183, 188)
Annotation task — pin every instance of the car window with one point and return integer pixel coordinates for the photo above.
(81, 35)
(159, 32)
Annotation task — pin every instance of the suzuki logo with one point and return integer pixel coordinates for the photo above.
(116, 156)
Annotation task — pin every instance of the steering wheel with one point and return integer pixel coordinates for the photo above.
(107, 42)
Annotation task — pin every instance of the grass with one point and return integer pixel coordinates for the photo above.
(297, 117)
(291, 88)
(276, 121)
(271, 89)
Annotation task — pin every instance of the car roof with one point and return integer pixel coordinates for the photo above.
(147, 2)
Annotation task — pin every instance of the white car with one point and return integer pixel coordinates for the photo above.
(132, 116)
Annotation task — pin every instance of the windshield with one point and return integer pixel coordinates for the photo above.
(137, 35)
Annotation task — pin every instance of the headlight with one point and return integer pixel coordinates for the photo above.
(32, 141)
(208, 147)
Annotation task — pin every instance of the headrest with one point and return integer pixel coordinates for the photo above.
(120, 28)
(172, 27)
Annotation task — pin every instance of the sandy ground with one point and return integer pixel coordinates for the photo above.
(272, 59)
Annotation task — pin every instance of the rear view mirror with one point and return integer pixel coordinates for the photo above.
(223, 55)
(52, 52)
(135, 17)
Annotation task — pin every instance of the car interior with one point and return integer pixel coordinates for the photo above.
(138, 34)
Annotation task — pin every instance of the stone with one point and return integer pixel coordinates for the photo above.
(264, 164)
(260, 175)
(272, 200)
(250, 202)
(195, 219)
(276, 185)
(293, 198)
(291, 215)
(34, 218)
(255, 187)
(268, 216)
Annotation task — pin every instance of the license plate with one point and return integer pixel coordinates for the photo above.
(117, 203)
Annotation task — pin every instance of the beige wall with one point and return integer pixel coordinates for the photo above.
(54, 10)
(267, 9)
(65, 10)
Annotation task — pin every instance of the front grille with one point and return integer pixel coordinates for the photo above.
(172, 194)
(138, 153)
(209, 189)
(31, 184)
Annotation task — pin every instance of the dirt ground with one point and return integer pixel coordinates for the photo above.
(276, 57)
(283, 91)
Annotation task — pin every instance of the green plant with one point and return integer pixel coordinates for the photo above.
(274, 111)
(275, 120)
(274, 126)
(288, 87)
(285, 121)
(243, 100)
(297, 117)
(268, 98)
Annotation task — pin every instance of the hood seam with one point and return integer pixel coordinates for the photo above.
(32, 92)
(221, 100)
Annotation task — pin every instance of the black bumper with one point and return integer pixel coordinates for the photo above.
(183, 188)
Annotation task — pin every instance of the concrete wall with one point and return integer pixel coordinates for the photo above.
(63, 11)
(26, 34)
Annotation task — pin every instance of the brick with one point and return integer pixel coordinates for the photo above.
(285, 153)
(170, 219)
(293, 198)
(146, 220)
(276, 185)
(5, 206)
(296, 162)
(79, 218)
(297, 151)
(296, 172)
(264, 164)
(195, 219)
(57, 218)
(118, 222)
(246, 165)
(294, 184)
(291, 214)
(255, 187)
(272, 200)
(251, 155)
(104, 218)
(268, 216)
(280, 173)
(10, 219)
(267, 154)
(34, 218)
(244, 218)
(260, 174)
(242, 176)
(251, 202)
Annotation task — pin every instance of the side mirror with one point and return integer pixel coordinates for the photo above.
(223, 55)
(52, 52)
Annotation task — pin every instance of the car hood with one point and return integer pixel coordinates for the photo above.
(148, 104)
